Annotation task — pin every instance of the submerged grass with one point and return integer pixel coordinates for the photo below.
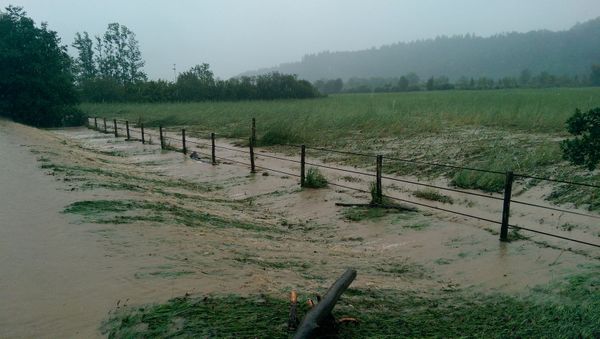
(127, 180)
(433, 195)
(569, 309)
(367, 213)
(103, 211)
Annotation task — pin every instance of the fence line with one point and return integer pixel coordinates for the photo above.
(378, 193)
(556, 209)
(341, 169)
(442, 188)
(556, 180)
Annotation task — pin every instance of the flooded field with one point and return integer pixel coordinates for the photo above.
(91, 223)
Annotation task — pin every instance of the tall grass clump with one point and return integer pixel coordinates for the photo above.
(315, 179)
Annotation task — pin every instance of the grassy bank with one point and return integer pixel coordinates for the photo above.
(567, 309)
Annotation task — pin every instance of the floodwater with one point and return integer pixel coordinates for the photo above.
(61, 277)
(50, 269)
(56, 279)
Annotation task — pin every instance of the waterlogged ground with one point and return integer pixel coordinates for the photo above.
(92, 224)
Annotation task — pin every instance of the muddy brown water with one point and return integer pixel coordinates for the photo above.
(56, 278)
(61, 277)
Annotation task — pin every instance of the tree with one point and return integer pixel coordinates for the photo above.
(117, 54)
(595, 76)
(196, 84)
(430, 85)
(403, 84)
(584, 149)
(525, 77)
(85, 67)
(36, 80)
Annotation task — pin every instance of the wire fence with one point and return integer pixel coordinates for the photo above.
(377, 194)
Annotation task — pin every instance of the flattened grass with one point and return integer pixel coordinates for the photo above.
(569, 309)
(114, 212)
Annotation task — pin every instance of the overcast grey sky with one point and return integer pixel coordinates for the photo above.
(234, 36)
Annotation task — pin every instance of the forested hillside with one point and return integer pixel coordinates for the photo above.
(570, 52)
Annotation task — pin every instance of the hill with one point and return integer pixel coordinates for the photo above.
(569, 52)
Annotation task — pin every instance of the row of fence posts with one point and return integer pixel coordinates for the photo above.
(378, 196)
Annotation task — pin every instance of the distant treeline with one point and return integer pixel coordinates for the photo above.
(110, 70)
(563, 52)
(192, 87)
(412, 82)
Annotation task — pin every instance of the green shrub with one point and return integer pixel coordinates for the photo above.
(584, 149)
(314, 179)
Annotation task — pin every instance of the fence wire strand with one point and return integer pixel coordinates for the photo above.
(339, 152)
(340, 169)
(278, 158)
(553, 235)
(556, 180)
(443, 165)
(420, 204)
(556, 209)
(442, 188)
(232, 149)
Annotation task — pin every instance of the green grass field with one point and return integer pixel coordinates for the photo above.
(378, 115)
(500, 130)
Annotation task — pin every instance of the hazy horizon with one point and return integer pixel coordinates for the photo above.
(236, 36)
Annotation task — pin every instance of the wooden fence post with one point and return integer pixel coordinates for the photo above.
(213, 153)
(115, 125)
(143, 136)
(254, 131)
(183, 140)
(322, 311)
(252, 166)
(162, 142)
(302, 165)
(95, 122)
(105, 129)
(378, 188)
(127, 129)
(508, 182)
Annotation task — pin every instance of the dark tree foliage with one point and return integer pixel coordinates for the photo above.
(115, 57)
(199, 84)
(85, 67)
(110, 70)
(36, 83)
(584, 148)
(411, 82)
(329, 86)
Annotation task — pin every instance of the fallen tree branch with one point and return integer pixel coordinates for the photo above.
(322, 311)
